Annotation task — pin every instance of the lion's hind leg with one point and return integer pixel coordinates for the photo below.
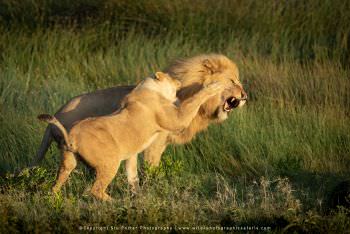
(44, 146)
(68, 163)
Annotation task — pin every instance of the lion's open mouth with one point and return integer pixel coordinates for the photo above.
(231, 103)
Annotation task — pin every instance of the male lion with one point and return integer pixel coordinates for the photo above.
(103, 142)
(192, 72)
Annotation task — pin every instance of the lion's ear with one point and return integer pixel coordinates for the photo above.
(208, 66)
(160, 75)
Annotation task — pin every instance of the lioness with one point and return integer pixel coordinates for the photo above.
(103, 142)
(192, 73)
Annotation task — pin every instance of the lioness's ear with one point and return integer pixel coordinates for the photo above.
(208, 66)
(160, 75)
(177, 83)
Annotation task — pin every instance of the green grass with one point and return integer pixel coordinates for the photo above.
(273, 163)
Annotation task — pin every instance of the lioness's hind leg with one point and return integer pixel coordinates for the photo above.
(68, 164)
(104, 176)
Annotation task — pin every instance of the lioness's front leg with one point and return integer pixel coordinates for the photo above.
(131, 170)
(177, 119)
(154, 152)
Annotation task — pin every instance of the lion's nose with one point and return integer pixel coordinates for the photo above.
(244, 95)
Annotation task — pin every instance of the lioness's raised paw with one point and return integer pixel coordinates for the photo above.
(214, 87)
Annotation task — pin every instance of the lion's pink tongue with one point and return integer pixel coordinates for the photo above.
(227, 107)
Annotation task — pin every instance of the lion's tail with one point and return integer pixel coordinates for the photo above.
(52, 120)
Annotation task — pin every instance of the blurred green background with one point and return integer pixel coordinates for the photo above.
(274, 162)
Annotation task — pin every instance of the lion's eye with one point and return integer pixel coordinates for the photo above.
(234, 82)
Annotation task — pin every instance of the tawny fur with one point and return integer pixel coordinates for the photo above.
(192, 72)
(103, 142)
